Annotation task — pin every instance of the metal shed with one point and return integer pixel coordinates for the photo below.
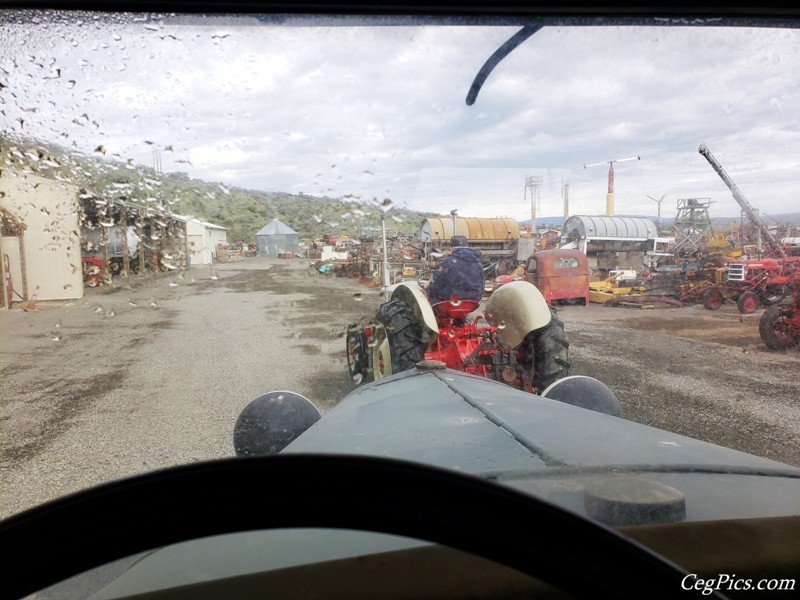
(277, 237)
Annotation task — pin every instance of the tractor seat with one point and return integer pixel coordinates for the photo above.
(457, 310)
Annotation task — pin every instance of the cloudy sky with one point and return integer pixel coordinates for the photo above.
(379, 112)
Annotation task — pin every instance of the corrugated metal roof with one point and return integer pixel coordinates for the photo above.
(471, 228)
(277, 227)
(206, 224)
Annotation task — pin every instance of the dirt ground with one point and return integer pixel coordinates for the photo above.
(705, 374)
(154, 372)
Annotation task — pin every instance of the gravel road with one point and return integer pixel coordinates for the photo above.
(154, 373)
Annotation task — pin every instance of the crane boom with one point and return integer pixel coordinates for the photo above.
(739, 197)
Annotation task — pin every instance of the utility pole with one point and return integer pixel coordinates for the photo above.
(386, 280)
(610, 196)
(532, 184)
(565, 195)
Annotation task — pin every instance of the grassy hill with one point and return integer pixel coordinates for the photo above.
(242, 211)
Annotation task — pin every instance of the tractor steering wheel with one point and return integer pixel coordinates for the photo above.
(71, 535)
(424, 278)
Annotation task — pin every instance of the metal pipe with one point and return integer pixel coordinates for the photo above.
(385, 274)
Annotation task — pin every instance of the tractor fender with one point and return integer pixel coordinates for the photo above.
(516, 309)
(412, 294)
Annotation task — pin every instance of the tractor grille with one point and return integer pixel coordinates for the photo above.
(736, 272)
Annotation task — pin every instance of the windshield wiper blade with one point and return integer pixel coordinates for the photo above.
(499, 54)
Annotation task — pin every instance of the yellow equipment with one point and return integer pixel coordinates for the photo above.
(604, 290)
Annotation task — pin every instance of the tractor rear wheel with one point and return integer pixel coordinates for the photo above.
(713, 299)
(550, 350)
(748, 303)
(776, 329)
(404, 334)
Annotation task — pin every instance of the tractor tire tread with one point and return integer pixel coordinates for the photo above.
(766, 329)
(550, 349)
(748, 302)
(713, 299)
(404, 333)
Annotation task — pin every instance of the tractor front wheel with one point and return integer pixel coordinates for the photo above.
(357, 355)
(777, 329)
(404, 334)
(713, 299)
(748, 303)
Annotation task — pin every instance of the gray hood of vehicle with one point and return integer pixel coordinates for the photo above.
(546, 447)
(454, 420)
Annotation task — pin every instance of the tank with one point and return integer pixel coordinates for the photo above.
(626, 228)
(474, 229)
(609, 234)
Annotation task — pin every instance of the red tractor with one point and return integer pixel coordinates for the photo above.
(517, 338)
(779, 326)
(751, 283)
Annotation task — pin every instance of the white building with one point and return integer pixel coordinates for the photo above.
(203, 239)
(41, 246)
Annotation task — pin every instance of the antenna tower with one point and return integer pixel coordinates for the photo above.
(533, 184)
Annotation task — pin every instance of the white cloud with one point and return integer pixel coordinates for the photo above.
(380, 111)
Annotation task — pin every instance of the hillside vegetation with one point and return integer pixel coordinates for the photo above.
(242, 211)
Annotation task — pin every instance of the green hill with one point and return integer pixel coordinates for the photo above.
(242, 211)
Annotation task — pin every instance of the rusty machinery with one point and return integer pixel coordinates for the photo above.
(748, 282)
(779, 326)
(774, 246)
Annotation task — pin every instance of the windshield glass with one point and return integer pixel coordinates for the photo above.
(198, 209)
